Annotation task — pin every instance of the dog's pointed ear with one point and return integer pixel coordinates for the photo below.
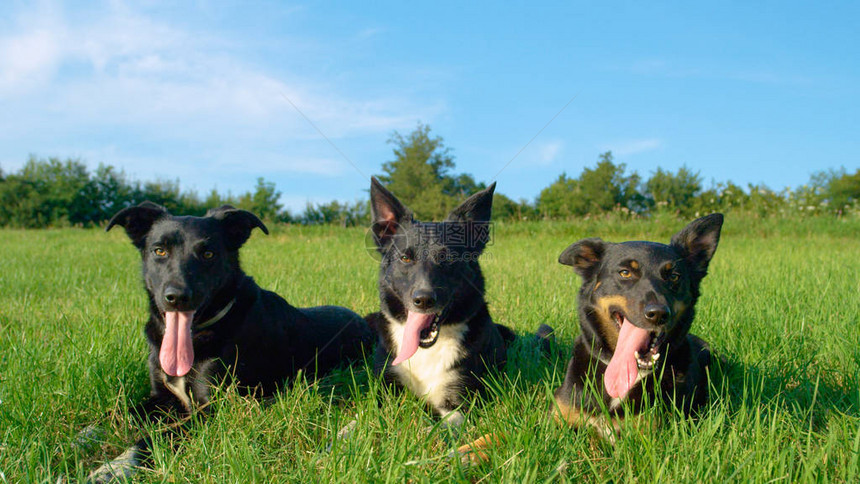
(387, 213)
(474, 213)
(237, 223)
(477, 208)
(698, 241)
(137, 221)
(584, 256)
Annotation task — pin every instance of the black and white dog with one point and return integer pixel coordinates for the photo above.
(209, 321)
(436, 336)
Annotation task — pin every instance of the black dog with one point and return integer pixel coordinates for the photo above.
(636, 305)
(208, 320)
(436, 337)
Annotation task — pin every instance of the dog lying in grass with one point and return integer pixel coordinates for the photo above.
(636, 306)
(209, 321)
(436, 336)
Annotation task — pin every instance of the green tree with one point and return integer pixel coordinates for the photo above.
(763, 201)
(334, 212)
(721, 197)
(112, 192)
(504, 208)
(263, 201)
(603, 188)
(606, 187)
(562, 199)
(52, 192)
(215, 199)
(420, 174)
(19, 203)
(843, 190)
(163, 192)
(674, 192)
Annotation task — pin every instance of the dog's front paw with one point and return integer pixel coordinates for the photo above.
(453, 420)
(606, 429)
(119, 469)
(473, 453)
(345, 433)
(450, 425)
(89, 438)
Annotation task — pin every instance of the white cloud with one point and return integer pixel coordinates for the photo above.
(684, 70)
(633, 147)
(275, 163)
(369, 33)
(27, 60)
(548, 151)
(117, 69)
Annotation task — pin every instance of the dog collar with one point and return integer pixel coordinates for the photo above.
(216, 318)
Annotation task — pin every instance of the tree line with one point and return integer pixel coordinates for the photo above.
(53, 192)
(608, 188)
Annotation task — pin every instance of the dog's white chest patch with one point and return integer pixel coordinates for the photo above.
(428, 373)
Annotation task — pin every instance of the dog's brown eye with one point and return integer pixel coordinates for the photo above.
(674, 277)
(208, 254)
(625, 273)
(160, 252)
(405, 259)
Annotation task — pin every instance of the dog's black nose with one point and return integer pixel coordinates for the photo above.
(657, 313)
(423, 298)
(177, 296)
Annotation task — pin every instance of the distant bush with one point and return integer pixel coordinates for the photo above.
(834, 192)
(53, 192)
(601, 189)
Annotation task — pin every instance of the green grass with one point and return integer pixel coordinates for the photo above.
(781, 304)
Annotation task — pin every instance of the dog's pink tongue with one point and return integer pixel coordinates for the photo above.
(177, 351)
(415, 323)
(622, 370)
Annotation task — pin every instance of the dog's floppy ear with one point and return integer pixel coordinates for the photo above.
(698, 241)
(387, 213)
(237, 223)
(584, 256)
(137, 221)
(477, 208)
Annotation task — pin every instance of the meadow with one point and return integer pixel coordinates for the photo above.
(781, 306)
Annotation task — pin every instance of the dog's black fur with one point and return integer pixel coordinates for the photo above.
(251, 336)
(425, 271)
(655, 287)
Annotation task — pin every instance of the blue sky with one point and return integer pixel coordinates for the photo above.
(753, 92)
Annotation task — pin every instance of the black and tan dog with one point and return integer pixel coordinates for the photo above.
(209, 321)
(636, 306)
(436, 336)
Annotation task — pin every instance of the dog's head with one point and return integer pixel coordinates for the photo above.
(638, 298)
(429, 273)
(186, 261)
